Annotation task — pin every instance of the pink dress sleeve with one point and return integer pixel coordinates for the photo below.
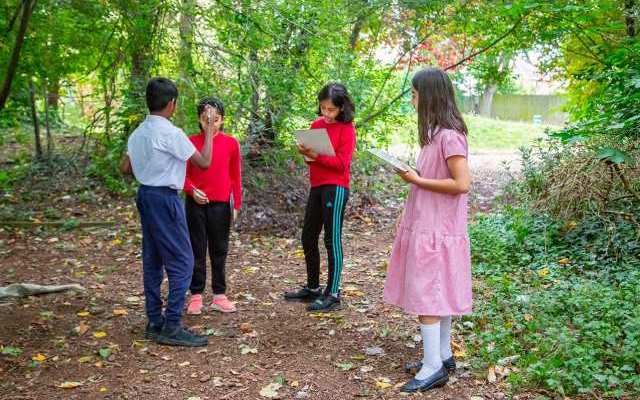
(454, 144)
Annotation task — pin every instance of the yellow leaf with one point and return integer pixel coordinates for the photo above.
(491, 375)
(99, 334)
(83, 314)
(103, 389)
(383, 383)
(39, 357)
(543, 272)
(116, 242)
(564, 261)
(119, 312)
(70, 385)
(294, 384)
(460, 353)
(85, 359)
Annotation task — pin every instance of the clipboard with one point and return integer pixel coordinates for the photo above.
(390, 160)
(315, 139)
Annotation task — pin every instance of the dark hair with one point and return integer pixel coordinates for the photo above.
(160, 91)
(339, 96)
(437, 108)
(213, 102)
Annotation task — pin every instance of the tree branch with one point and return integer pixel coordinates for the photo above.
(513, 28)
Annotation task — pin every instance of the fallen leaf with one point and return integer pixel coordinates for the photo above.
(245, 327)
(294, 384)
(543, 272)
(119, 312)
(83, 313)
(528, 317)
(491, 375)
(564, 261)
(39, 357)
(374, 351)
(383, 383)
(271, 390)
(244, 349)
(104, 352)
(345, 366)
(85, 359)
(69, 385)
(184, 364)
(81, 329)
(11, 351)
(99, 334)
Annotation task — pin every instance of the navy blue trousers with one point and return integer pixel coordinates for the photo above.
(165, 246)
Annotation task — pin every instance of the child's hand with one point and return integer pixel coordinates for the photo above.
(199, 196)
(410, 176)
(307, 152)
(208, 119)
(234, 216)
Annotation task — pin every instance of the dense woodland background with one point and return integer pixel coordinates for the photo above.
(556, 255)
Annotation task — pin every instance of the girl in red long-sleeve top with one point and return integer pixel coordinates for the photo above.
(329, 177)
(214, 196)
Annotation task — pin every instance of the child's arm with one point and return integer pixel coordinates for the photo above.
(344, 151)
(459, 182)
(125, 165)
(236, 176)
(203, 158)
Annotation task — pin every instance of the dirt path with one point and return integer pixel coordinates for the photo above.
(95, 339)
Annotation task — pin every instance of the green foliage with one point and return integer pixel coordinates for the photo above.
(554, 294)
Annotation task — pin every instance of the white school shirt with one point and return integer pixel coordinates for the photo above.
(159, 151)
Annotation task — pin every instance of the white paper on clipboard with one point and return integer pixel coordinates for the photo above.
(317, 140)
(390, 160)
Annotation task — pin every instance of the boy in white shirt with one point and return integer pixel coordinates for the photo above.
(157, 154)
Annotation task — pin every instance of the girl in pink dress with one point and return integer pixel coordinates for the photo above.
(429, 272)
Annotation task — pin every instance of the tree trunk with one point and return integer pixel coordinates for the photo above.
(185, 57)
(53, 95)
(629, 6)
(48, 126)
(34, 118)
(27, 10)
(486, 100)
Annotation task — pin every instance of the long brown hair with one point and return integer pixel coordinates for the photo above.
(437, 108)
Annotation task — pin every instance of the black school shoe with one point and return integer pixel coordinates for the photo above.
(325, 303)
(303, 294)
(413, 367)
(152, 331)
(436, 380)
(179, 336)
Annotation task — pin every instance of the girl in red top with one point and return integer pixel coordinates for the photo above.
(214, 197)
(329, 176)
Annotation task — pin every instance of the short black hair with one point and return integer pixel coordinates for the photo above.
(160, 91)
(213, 102)
(339, 96)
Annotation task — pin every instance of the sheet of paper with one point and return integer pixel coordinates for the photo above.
(389, 159)
(317, 140)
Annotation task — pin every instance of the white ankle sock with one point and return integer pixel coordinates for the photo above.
(431, 361)
(445, 338)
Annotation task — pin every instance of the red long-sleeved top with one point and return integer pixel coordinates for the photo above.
(223, 178)
(334, 170)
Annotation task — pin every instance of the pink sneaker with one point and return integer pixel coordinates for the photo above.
(222, 304)
(195, 305)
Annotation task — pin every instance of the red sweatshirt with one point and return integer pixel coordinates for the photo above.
(223, 177)
(334, 170)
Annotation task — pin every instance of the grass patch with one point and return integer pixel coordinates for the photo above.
(484, 133)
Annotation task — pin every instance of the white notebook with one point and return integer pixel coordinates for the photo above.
(390, 160)
(317, 140)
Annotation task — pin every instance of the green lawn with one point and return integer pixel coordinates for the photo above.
(486, 133)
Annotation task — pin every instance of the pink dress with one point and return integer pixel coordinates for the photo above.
(430, 268)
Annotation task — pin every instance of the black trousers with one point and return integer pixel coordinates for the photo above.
(209, 226)
(325, 208)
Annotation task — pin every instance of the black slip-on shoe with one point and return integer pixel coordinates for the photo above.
(325, 304)
(180, 336)
(152, 330)
(413, 367)
(303, 294)
(436, 380)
